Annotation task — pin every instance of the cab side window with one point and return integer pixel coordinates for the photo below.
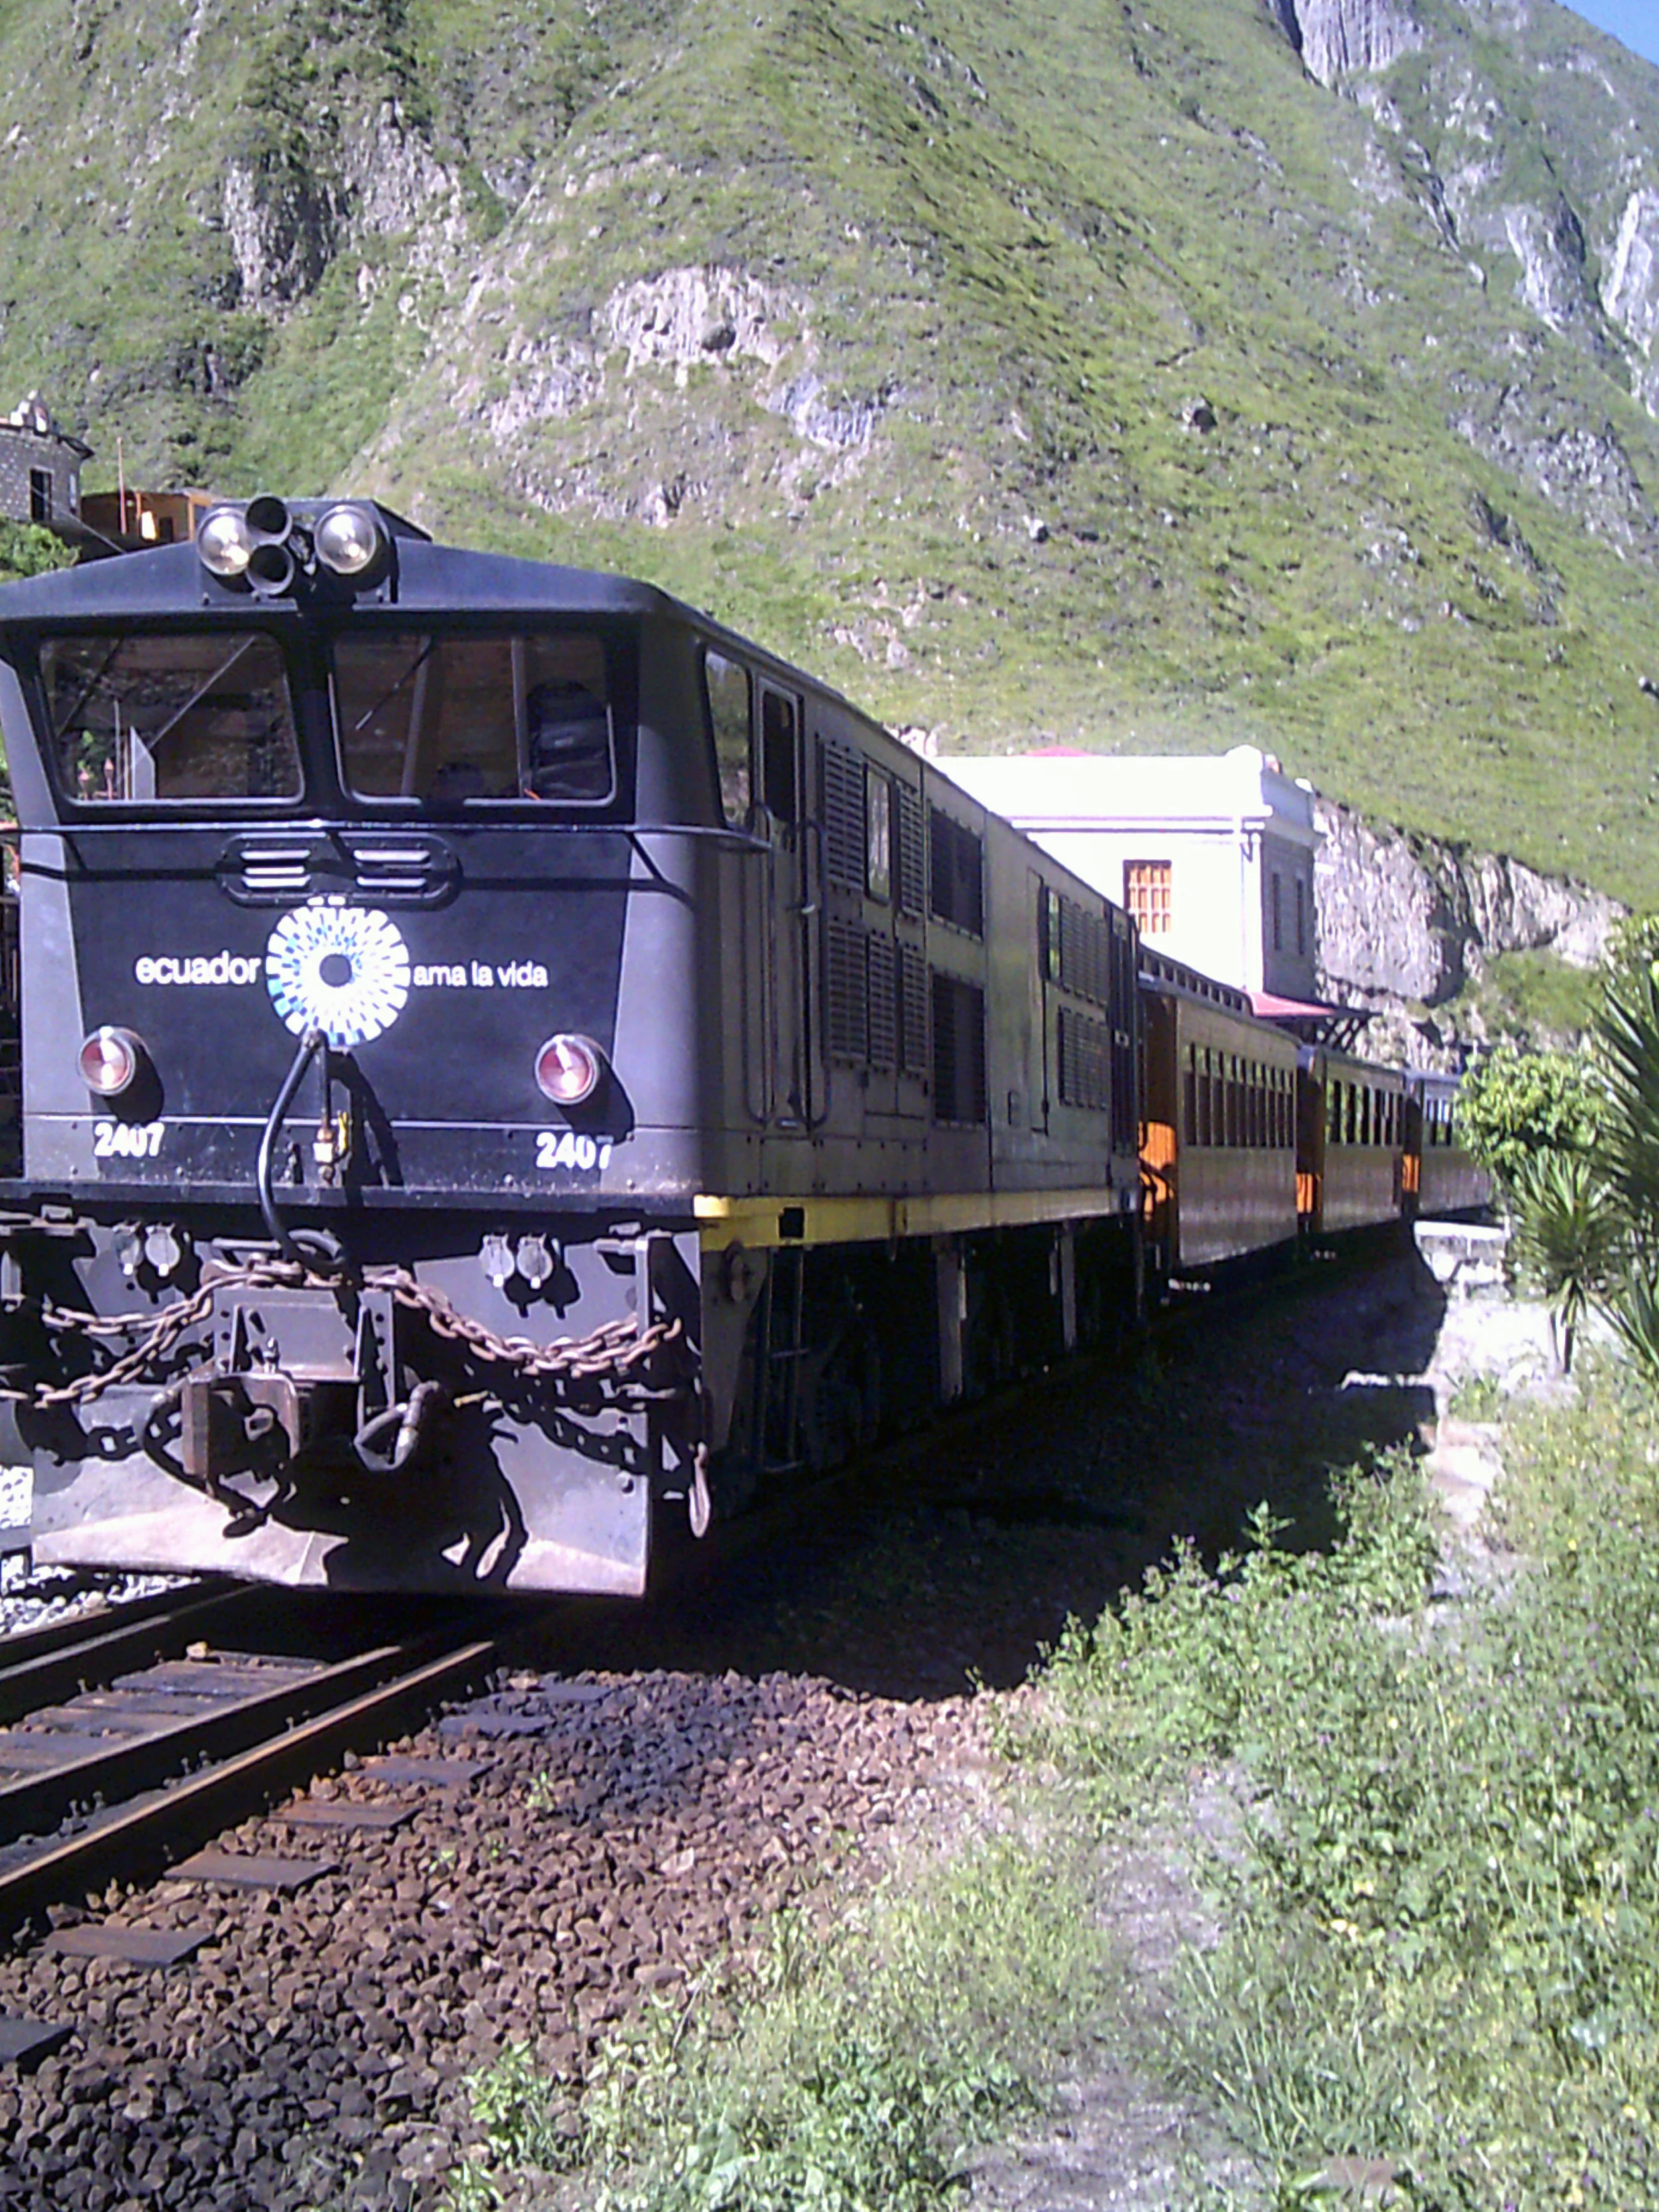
(729, 692)
(780, 721)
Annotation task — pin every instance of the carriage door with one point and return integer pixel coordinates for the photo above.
(781, 787)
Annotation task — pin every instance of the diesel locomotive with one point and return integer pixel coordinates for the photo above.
(503, 1059)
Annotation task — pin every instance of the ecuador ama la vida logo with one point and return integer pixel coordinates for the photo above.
(342, 970)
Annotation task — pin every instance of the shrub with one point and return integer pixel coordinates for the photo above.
(26, 549)
(1516, 1104)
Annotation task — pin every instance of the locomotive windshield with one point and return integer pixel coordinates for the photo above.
(170, 717)
(458, 718)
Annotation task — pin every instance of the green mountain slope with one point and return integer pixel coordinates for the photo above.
(1094, 374)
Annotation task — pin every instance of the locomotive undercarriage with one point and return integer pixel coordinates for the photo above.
(814, 1352)
(448, 1408)
(500, 1408)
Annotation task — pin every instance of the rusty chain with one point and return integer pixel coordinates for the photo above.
(617, 1355)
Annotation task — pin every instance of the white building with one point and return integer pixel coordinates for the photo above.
(1214, 858)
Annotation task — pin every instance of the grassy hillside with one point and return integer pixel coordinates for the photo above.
(1097, 378)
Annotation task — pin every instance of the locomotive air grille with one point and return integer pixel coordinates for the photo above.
(1084, 1061)
(913, 1048)
(1071, 945)
(912, 853)
(955, 873)
(841, 792)
(265, 871)
(846, 1011)
(884, 1004)
(958, 1050)
(1085, 957)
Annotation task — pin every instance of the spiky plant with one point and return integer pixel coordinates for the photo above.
(1627, 1048)
(1569, 1238)
(1626, 1042)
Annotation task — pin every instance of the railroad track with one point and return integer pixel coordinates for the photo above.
(128, 1737)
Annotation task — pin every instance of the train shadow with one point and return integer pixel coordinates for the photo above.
(965, 1564)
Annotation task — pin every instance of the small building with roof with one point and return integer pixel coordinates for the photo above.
(40, 468)
(130, 520)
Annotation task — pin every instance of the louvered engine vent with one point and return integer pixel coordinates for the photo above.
(394, 870)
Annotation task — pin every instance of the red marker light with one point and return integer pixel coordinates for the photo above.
(110, 1060)
(568, 1069)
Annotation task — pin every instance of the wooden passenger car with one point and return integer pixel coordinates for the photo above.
(1351, 1141)
(1219, 1121)
(1442, 1177)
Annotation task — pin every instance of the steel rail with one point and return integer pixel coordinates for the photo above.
(142, 1837)
(92, 1652)
(121, 1765)
(51, 1635)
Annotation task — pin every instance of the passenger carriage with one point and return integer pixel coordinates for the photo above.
(1350, 1142)
(1443, 1178)
(1218, 1139)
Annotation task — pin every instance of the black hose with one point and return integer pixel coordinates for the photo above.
(312, 1249)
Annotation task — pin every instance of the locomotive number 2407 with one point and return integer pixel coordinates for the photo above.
(564, 1148)
(127, 1140)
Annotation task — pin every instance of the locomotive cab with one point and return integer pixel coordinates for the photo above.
(360, 1029)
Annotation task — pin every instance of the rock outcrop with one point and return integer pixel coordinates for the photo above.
(1632, 296)
(1336, 36)
(1404, 923)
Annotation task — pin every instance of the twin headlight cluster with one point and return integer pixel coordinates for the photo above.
(567, 1068)
(266, 547)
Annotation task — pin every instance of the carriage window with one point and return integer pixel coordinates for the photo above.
(167, 718)
(454, 719)
(728, 688)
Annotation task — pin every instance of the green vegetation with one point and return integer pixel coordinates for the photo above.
(1440, 1906)
(1114, 384)
(26, 549)
(848, 2079)
(1572, 1140)
(1516, 1104)
(1526, 994)
(1569, 1238)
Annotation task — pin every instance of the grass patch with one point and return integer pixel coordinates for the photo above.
(1441, 1905)
(1532, 995)
(838, 2076)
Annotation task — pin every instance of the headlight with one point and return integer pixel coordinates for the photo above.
(568, 1069)
(110, 1061)
(224, 542)
(350, 540)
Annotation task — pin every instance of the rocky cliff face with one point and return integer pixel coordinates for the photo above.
(1405, 923)
(1631, 292)
(1336, 36)
(1579, 252)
